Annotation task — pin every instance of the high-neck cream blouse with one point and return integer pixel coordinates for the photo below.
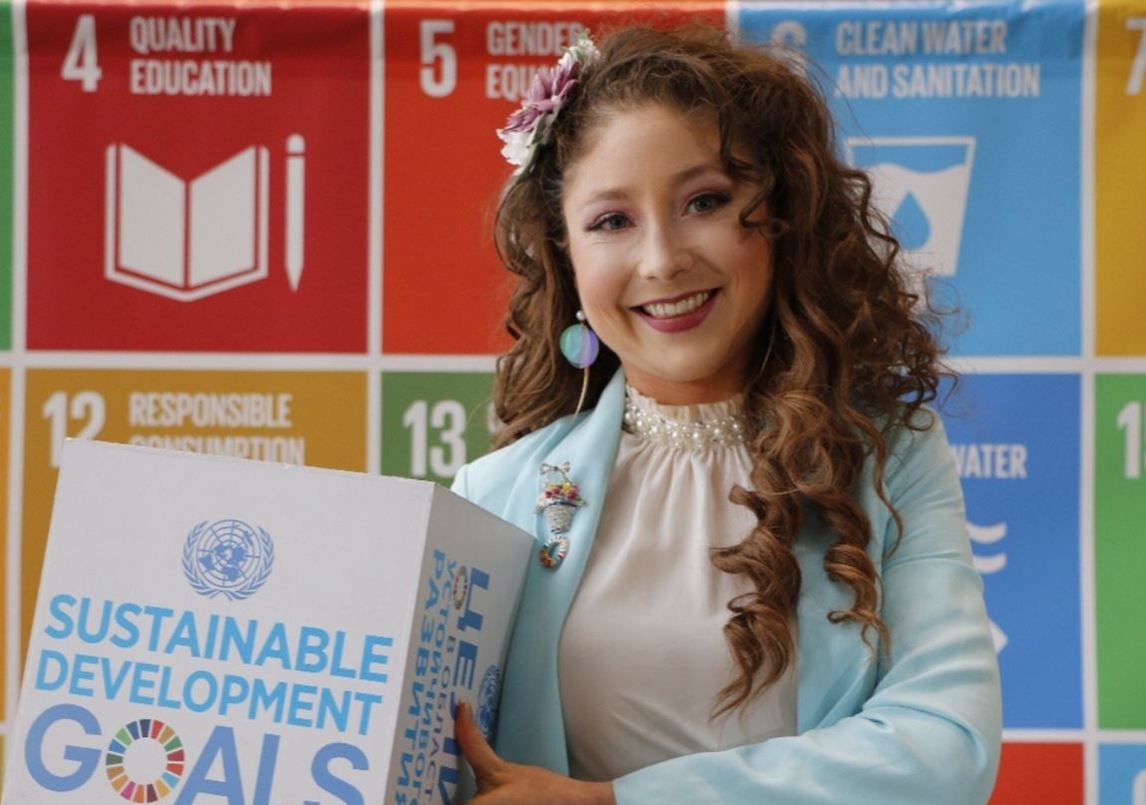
(642, 652)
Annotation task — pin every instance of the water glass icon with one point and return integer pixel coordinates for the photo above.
(920, 184)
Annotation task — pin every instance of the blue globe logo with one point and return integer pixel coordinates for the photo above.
(227, 558)
(488, 701)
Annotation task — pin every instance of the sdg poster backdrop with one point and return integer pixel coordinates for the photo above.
(262, 229)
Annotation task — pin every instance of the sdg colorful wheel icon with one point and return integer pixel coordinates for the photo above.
(134, 736)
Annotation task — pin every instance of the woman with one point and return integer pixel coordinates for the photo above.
(754, 581)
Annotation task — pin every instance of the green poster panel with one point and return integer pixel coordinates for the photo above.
(7, 137)
(1120, 549)
(433, 423)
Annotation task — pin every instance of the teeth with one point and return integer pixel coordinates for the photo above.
(665, 310)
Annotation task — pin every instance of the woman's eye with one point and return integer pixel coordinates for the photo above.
(609, 223)
(707, 202)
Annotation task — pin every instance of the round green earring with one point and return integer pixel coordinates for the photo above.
(579, 344)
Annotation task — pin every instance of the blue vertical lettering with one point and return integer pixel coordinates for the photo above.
(470, 619)
(467, 663)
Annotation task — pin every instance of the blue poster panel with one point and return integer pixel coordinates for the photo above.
(1015, 440)
(1122, 774)
(968, 118)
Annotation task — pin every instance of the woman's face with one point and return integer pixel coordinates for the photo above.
(667, 276)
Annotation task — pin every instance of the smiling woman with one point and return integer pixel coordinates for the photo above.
(764, 590)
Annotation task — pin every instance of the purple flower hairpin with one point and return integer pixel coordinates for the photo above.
(529, 126)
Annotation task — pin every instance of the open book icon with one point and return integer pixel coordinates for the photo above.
(186, 239)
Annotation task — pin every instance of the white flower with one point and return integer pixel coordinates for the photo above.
(518, 149)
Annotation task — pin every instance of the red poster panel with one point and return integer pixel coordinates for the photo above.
(1049, 774)
(198, 176)
(453, 75)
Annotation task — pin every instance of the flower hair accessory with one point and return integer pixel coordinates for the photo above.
(529, 127)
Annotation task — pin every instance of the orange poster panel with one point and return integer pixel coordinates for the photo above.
(453, 75)
(1119, 177)
(5, 414)
(314, 418)
(1049, 774)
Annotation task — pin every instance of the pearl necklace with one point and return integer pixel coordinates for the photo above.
(655, 427)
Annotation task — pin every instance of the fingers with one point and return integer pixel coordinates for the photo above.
(485, 762)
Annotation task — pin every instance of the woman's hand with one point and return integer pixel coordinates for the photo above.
(502, 783)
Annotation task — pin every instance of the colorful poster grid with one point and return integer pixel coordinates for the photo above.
(348, 263)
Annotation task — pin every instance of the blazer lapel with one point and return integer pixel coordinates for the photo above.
(531, 728)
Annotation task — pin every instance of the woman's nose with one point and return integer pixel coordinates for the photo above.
(664, 253)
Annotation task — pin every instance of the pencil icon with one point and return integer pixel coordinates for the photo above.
(295, 215)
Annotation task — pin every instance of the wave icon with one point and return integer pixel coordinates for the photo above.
(986, 565)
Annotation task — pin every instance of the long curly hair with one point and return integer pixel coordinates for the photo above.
(848, 341)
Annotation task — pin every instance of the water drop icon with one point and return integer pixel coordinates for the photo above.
(910, 224)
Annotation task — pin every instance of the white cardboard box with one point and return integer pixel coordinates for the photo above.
(232, 631)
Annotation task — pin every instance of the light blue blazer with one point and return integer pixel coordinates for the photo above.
(924, 727)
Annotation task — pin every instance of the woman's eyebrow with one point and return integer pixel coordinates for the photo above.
(677, 179)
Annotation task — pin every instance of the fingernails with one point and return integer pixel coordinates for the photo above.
(462, 706)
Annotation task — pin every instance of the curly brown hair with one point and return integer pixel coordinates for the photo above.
(849, 345)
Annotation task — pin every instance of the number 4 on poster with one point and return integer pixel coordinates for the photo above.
(82, 62)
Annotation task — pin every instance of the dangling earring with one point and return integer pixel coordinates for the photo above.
(580, 346)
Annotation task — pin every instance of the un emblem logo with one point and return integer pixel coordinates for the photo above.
(228, 558)
(487, 701)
